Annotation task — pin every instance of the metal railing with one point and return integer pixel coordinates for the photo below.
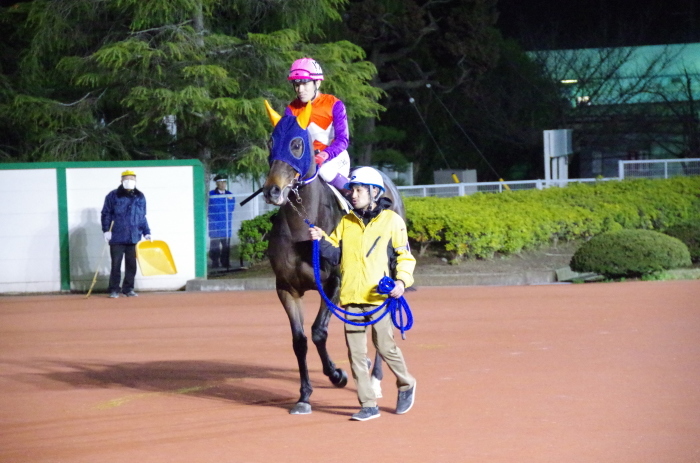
(659, 168)
(448, 190)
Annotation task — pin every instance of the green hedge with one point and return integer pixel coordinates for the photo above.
(689, 234)
(480, 225)
(630, 253)
(253, 237)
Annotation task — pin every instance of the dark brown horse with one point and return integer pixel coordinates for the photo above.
(292, 183)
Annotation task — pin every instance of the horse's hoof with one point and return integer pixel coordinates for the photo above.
(300, 408)
(339, 378)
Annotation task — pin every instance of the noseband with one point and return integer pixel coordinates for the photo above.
(300, 183)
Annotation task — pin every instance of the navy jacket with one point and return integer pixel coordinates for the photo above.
(220, 211)
(128, 210)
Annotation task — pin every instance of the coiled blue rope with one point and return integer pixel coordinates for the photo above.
(398, 307)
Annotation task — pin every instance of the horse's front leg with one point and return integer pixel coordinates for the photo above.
(319, 335)
(293, 305)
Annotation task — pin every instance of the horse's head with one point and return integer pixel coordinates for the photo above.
(290, 154)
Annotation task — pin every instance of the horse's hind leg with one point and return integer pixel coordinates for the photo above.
(293, 307)
(377, 375)
(319, 335)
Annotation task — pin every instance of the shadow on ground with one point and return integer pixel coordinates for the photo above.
(239, 383)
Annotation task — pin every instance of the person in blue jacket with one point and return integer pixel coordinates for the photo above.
(220, 212)
(124, 213)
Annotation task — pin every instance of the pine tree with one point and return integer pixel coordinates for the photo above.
(163, 79)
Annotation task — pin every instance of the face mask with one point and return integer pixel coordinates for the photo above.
(129, 184)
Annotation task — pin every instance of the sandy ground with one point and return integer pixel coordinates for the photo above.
(558, 373)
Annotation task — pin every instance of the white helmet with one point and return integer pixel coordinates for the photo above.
(367, 176)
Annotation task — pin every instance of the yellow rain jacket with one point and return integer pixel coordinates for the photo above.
(370, 252)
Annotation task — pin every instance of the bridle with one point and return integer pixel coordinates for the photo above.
(294, 186)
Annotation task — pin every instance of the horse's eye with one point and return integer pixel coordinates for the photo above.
(296, 147)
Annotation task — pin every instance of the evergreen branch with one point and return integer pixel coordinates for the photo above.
(75, 102)
(118, 118)
(82, 99)
(167, 27)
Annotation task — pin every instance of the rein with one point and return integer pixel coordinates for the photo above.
(396, 306)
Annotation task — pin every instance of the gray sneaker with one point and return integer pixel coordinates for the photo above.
(405, 400)
(366, 413)
(131, 294)
(114, 294)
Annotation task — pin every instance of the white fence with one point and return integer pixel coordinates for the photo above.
(257, 205)
(662, 168)
(659, 168)
(448, 190)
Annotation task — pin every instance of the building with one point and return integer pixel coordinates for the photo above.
(628, 103)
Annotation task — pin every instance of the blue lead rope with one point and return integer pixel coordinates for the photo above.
(398, 307)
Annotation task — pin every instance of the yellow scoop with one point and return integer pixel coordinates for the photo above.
(154, 258)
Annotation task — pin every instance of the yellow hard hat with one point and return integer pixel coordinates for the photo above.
(128, 172)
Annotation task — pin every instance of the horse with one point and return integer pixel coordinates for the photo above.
(294, 185)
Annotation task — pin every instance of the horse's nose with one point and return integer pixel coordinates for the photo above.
(272, 193)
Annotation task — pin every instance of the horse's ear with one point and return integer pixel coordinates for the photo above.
(272, 114)
(305, 116)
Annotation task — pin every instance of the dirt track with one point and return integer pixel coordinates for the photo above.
(560, 373)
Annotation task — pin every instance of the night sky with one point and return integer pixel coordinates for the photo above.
(592, 23)
(596, 23)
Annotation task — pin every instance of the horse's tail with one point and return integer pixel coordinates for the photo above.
(393, 193)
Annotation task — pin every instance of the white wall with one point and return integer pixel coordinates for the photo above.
(29, 246)
(170, 214)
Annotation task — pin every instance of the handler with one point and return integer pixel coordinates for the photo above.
(126, 206)
(369, 243)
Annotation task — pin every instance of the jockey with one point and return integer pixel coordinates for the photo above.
(328, 127)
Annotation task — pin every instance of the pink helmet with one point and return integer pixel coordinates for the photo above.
(305, 68)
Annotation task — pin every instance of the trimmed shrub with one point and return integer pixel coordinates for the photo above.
(630, 253)
(253, 237)
(689, 234)
(482, 224)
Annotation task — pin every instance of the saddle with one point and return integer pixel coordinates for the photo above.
(342, 202)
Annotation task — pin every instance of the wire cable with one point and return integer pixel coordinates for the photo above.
(463, 131)
(425, 124)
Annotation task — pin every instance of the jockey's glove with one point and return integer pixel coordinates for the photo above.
(321, 157)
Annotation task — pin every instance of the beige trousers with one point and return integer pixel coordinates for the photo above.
(383, 339)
